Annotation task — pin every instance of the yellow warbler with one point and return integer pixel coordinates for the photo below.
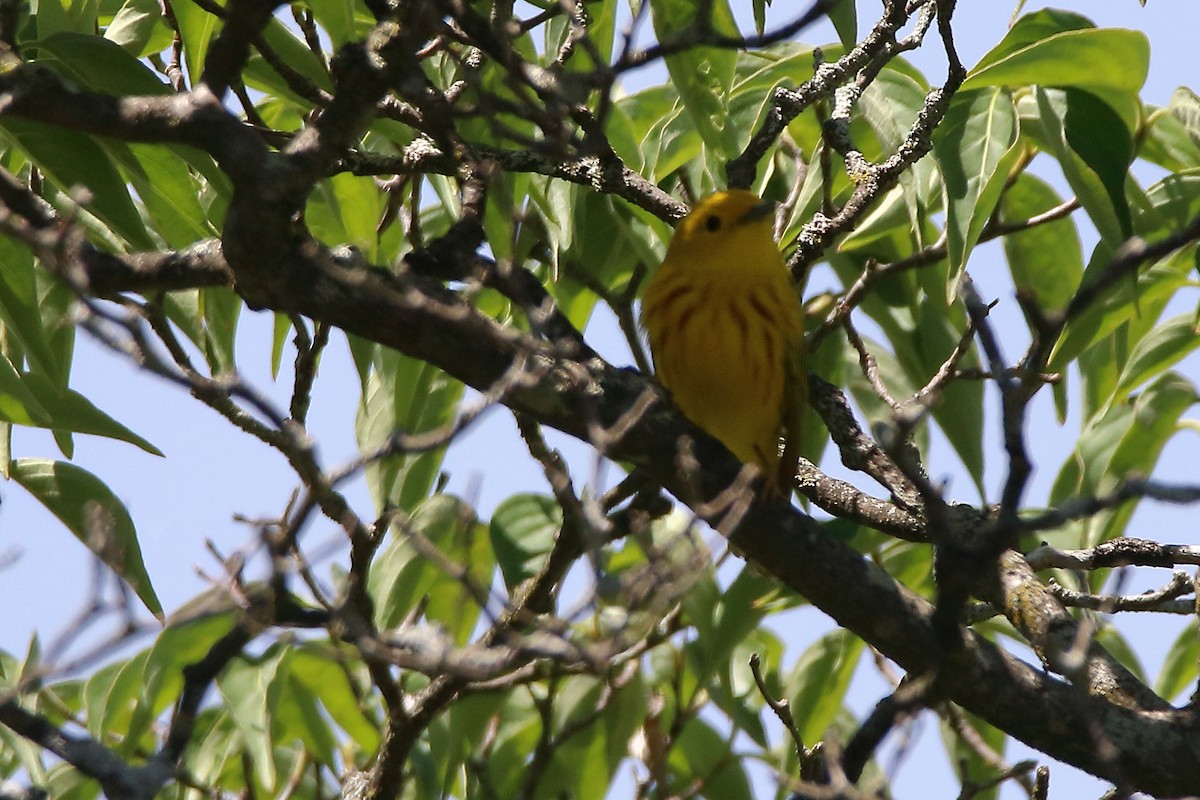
(726, 329)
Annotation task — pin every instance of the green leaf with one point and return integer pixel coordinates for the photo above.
(320, 667)
(72, 159)
(18, 752)
(737, 694)
(247, 690)
(458, 733)
(1094, 149)
(818, 683)
(1083, 470)
(1111, 59)
(583, 765)
(654, 134)
(974, 147)
(101, 64)
(139, 28)
(1155, 414)
(291, 50)
(960, 412)
(65, 783)
(842, 13)
(221, 308)
(190, 633)
(607, 241)
(405, 574)
(93, 513)
(758, 74)
(5, 448)
(337, 18)
(1151, 422)
(811, 195)
(183, 310)
(20, 309)
(167, 189)
(18, 404)
(1108, 637)
(885, 230)
(702, 754)
(1185, 107)
(909, 564)
(1100, 137)
(196, 28)
(601, 31)
(1164, 347)
(296, 712)
(1170, 143)
(404, 395)
(110, 696)
(1179, 668)
(517, 731)
(357, 204)
(890, 106)
(760, 16)
(702, 76)
(1031, 29)
(57, 305)
(1100, 366)
(523, 529)
(737, 613)
(506, 197)
(1047, 260)
(280, 330)
(464, 541)
(1119, 303)
(66, 15)
(1168, 205)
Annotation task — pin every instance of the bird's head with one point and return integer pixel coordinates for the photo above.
(726, 229)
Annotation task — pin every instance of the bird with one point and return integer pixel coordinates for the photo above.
(725, 325)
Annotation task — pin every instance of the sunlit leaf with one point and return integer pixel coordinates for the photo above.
(1033, 53)
(974, 147)
(702, 76)
(139, 28)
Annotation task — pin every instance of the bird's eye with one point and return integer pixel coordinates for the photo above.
(713, 223)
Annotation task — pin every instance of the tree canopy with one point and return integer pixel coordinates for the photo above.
(445, 193)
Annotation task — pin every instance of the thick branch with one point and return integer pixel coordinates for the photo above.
(198, 265)
(1115, 553)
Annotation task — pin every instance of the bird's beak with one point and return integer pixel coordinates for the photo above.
(764, 209)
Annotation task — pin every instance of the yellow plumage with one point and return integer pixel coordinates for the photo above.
(726, 328)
